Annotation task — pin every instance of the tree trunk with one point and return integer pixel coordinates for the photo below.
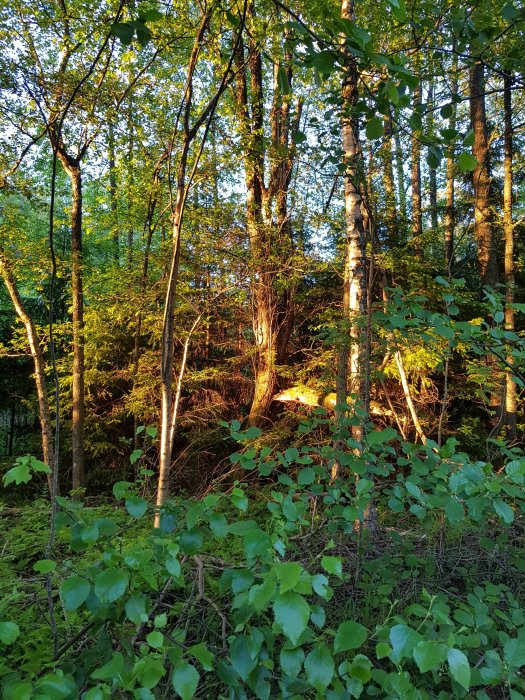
(450, 213)
(39, 365)
(349, 369)
(481, 179)
(78, 394)
(401, 192)
(417, 218)
(508, 228)
(391, 224)
(113, 191)
(432, 175)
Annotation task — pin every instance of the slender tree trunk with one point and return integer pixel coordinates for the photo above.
(131, 180)
(78, 393)
(432, 174)
(113, 191)
(39, 365)
(349, 369)
(388, 184)
(417, 218)
(400, 171)
(450, 213)
(508, 228)
(481, 179)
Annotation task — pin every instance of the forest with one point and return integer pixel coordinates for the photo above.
(262, 349)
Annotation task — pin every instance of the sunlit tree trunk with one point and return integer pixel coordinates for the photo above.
(415, 180)
(432, 174)
(508, 228)
(400, 172)
(39, 365)
(113, 191)
(450, 213)
(349, 369)
(483, 225)
(388, 184)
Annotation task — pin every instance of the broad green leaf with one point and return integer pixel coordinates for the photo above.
(9, 632)
(444, 331)
(288, 574)
(191, 541)
(155, 639)
(350, 635)
(203, 655)
(111, 670)
(291, 612)
(429, 655)
(44, 566)
(291, 661)
(136, 609)
(447, 111)
(218, 525)
(319, 668)
(383, 650)
(120, 488)
(320, 586)
(459, 667)
(503, 509)
(74, 592)
(135, 456)
(467, 163)
(241, 659)
(306, 476)
(403, 640)
(375, 128)
(333, 565)
(18, 475)
(124, 31)
(111, 584)
(514, 652)
(185, 680)
(239, 500)
(378, 437)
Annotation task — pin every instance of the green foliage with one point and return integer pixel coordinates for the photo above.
(273, 616)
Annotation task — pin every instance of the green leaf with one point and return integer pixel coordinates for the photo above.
(306, 476)
(459, 667)
(378, 437)
(111, 670)
(151, 16)
(288, 574)
(429, 655)
(155, 639)
(136, 609)
(19, 474)
(514, 652)
(291, 661)
(333, 565)
(444, 331)
(282, 81)
(124, 31)
(504, 511)
(9, 632)
(44, 566)
(74, 592)
(185, 680)
(191, 541)
(383, 650)
(468, 139)
(447, 111)
(218, 525)
(38, 466)
(350, 635)
(241, 659)
(319, 668)
(467, 163)
(120, 488)
(136, 506)
(291, 612)
(111, 584)
(203, 655)
(403, 639)
(454, 511)
(320, 586)
(375, 128)
(239, 500)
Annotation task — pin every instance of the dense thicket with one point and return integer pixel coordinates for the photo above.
(296, 217)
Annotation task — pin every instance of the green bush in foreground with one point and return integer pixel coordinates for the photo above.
(231, 600)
